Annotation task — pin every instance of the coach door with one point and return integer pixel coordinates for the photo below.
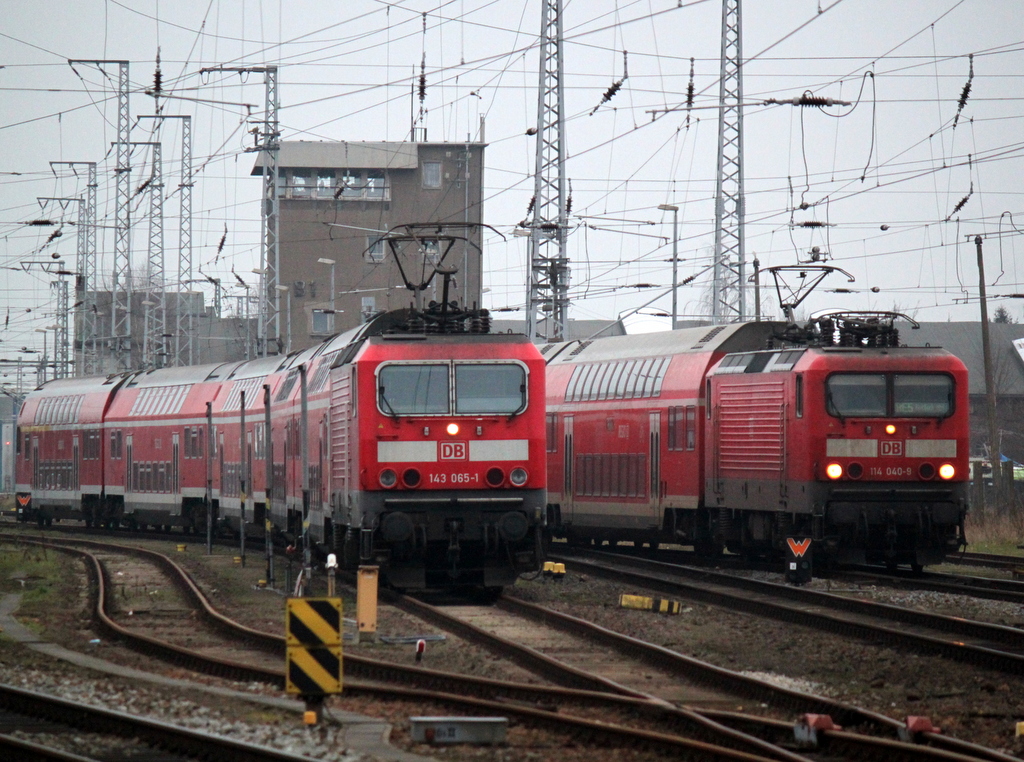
(129, 473)
(175, 480)
(654, 458)
(567, 476)
(36, 482)
(76, 466)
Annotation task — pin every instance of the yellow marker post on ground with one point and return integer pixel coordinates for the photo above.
(313, 651)
(366, 602)
(643, 603)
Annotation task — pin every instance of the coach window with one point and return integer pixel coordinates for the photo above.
(922, 394)
(799, 395)
(623, 379)
(601, 382)
(490, 388)
(551, 430)
(856, 395)
(413, 390)
(613, 381)
(691, 427)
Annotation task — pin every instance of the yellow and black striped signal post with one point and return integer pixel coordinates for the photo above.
(313, 644)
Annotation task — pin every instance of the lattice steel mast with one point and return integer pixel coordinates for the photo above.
(121, 290)
(549, 266)
(87, 268)
(154, 351)
(728, 297)
(184, 339)
(269, 326)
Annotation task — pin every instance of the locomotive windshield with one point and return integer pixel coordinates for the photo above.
(414, 389)
(920, 394)
(489, 389)
(880, 395)
(429, 389)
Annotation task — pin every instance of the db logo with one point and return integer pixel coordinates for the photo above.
(892, 448)
(453, 450)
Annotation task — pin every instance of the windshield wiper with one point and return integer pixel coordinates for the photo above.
(384, 401)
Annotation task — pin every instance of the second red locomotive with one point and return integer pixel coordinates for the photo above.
(740, 436)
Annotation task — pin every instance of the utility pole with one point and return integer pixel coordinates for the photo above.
(994, 450)
(121, 291)
(87, 269)
(675, 260)
(549, 267)
(243, 472)
(268, 479)
(61, 364)
(728, 294)
(307, 557)
(61, 341)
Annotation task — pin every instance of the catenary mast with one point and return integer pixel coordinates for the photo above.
(728, 298)
(549, 267)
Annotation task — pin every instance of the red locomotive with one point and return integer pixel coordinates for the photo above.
(414, 442)
(739, 436)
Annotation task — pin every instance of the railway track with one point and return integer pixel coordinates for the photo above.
(988, 588)
(59, 724)
(977, 643)
(994, 561)
(721, 733)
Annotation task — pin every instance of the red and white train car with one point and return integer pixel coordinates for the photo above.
(443, 460)
(419, 450)
(710, 437)
(60, 450)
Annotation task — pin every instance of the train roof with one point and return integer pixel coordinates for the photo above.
(188, 374)
(83, 385)
(733, 337)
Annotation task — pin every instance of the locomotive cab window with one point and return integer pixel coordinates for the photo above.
(413, 389)
(878, 395)
(857, 395)
(920, 394)
(456, 388)
(490, 388)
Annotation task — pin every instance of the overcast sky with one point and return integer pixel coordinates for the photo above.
(899, 186)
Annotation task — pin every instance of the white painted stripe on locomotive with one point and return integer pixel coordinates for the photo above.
(931, 448)
(426, 452)
(499, 449)
(406, 452)
(852, 448)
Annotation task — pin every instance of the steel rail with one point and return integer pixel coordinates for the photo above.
(193, 744)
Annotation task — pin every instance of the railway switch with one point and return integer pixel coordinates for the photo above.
(809, 728)
(914, 726)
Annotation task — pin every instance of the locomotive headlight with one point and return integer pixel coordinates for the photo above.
(833, 471)
(518, 476)
(946, 471)
(388, 478)
(890, 429)
(453, 429)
